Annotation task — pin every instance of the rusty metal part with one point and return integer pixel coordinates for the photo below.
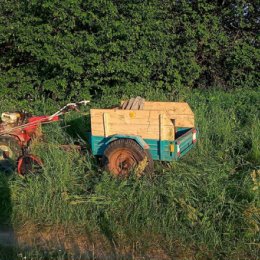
(21, 128)
(124, 155)
(121, 162)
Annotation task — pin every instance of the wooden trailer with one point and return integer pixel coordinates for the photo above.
(156, 130)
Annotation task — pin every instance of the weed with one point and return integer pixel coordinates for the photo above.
(206, 204)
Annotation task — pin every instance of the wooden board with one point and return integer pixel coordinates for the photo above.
(181, 108)
(146, 124)
(175, 107)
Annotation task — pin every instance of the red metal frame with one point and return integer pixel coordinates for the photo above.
(21, 159)
(24, 133)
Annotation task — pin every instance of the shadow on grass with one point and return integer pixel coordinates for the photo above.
(7, 235)
(40, 254)
(105, 228)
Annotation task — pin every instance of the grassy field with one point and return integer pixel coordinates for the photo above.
(205, 206)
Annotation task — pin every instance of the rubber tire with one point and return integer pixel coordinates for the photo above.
(9, 164)
(132, 147)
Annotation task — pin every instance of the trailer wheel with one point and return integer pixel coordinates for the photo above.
(10, 150)
(124, 155)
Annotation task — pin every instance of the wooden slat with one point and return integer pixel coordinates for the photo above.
(135, 115)
(139, 130)
(106, 124)
(141, 117)
(161, 136)
(181, 120)
(138, 122)
(177, 107)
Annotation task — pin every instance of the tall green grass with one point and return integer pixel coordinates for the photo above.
(207, 203)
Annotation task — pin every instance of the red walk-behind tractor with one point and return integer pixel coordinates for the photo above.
(17, 130)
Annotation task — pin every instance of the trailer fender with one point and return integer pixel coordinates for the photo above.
(136, 138)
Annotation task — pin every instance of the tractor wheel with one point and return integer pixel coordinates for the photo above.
(124, 155)
(10, 150)
(29, 164)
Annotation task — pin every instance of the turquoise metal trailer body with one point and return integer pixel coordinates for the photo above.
(133, 136)
(162, 150)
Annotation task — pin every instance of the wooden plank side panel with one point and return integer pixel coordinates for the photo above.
(142, 123)
(128, 116)
(175, 107)
(106, 117)
(141, 117)
(181, 120)
(139, 122)
(139, 130)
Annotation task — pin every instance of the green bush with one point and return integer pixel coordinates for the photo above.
(63, 49)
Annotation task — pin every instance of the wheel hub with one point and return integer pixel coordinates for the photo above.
(122, 162)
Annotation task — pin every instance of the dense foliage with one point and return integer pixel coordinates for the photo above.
(59, 49)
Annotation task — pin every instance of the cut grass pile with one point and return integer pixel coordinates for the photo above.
(207, 203)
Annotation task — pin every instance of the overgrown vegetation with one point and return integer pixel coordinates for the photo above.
(62, 49)
(204, 52)
(206, 205)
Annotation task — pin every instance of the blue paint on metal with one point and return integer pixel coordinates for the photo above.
(99, 143)
(136, 138)
(160, 150)
(181, 131)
